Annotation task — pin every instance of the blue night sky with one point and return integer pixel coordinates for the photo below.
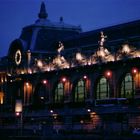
(90, 14)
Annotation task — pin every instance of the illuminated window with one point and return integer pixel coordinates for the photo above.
(1, 97)
(80, 91)
(127, 86)
(102, 89)
(59, 93)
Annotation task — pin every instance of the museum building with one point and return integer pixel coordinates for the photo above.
(73, 80)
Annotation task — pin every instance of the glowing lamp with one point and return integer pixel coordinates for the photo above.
(134, 70)
(89, 63)
(108, 74)
(88, 110)
(85, 77)
(27, 84)
(51, 111)
(64, 79)
(17, 114)
(44, 81)
(39, 63)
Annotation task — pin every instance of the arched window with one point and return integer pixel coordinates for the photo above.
(127, 86)
(59, 93)
(102, 89)
(80, 91)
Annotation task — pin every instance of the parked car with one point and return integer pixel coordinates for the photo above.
(136, 131)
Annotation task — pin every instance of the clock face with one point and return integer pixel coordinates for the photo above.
(18, 57)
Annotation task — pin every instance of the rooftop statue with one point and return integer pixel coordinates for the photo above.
(103, 37)
(60, 47)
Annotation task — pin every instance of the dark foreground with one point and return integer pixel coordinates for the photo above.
(16, 134)
(71, 137)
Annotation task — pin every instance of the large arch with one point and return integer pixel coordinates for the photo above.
(59, 93)
(61, 90)
(102, 88)
(127, 88)
(81, 89)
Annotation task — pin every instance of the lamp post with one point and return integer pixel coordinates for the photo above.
(18, 111)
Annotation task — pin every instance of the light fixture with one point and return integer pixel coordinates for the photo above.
(18, 114)
(44, 82)
(88, 110)
(85, 77)
(27, 84)
(39, 64)
(134, 70)
(64, 79)
(108, 74)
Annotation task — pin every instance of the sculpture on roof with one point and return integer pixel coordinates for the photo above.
(103, 37)
(60, 47)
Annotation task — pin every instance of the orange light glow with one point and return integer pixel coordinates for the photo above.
(134, 70)
(1, 97)
(64, 79)
(93, 113)
(27, 84)
(108, 74)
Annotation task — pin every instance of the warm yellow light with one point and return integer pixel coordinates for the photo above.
(44, 81)
(64, 79)
(93, 113)
(22, 72)
(79, 56)
(27, 84)
(39, 63)
(134, 70)
(1, 97)
(126, 48)
(108, 73)
(18, 106)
